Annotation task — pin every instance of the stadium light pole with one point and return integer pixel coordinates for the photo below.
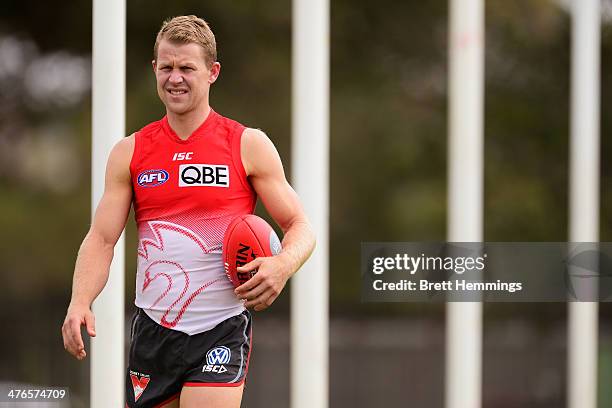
(107, 377)
(310, 171)
(465, 197)
(584, 194)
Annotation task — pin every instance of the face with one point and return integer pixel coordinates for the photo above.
(183, 78)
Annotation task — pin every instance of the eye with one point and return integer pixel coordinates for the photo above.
(186, 68)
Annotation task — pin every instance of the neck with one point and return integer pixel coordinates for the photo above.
(184, 124)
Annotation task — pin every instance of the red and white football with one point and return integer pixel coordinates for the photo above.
(247, 237)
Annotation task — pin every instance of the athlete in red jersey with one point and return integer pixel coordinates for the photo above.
(187, 175)
(186, 192)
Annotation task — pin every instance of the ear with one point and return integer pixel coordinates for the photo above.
(214, 72)
(154, 65)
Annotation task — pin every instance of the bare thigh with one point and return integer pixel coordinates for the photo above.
(211, 397)
(172, 404)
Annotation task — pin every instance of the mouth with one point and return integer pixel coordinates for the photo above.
(176, 92)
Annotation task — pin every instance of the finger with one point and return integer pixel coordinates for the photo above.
(254, 264)
(90, 322)
(72, 349)
(250, 284)
(253, 293)
(266, 303)
(65, 338)
(75, 335)
(260, 300)
(71, 344)
(68, 344)
(81, 355)
(251, 266)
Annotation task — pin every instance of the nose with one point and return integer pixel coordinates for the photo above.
(176, 77)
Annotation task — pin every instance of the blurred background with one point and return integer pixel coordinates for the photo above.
(388, 181)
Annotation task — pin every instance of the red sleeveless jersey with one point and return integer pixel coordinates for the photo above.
(186, 192)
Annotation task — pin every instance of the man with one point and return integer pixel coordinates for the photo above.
(187, 175)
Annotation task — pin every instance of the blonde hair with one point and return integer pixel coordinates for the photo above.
(188, 29)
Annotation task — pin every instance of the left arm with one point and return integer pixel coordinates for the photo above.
(265, 170)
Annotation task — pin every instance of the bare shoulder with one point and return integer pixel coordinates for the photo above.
(254, 138)
(125, 146)
(121, 156)
(257, 151)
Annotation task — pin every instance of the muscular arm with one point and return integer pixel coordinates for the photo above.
(96, 251)
(265, 170)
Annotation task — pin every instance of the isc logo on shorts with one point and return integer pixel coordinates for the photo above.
(216, 358)
(152, 178)
(203, 175)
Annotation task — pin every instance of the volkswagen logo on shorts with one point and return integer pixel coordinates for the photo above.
(152, 178)
(218, 355)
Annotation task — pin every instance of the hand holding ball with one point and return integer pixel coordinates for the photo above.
(247, 237)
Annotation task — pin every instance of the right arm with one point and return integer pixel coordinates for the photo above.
(96, 251)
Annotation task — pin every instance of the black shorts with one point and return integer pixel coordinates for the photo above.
(162, 361)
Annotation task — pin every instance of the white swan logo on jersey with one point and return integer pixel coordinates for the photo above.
(158, 258)
(203, 175)
(152, 178)
(216, 358)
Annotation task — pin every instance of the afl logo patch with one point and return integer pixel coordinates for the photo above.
(152, 178)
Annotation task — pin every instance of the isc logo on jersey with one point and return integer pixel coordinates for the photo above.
(152, 178)
(215, 360)
(203, 175)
